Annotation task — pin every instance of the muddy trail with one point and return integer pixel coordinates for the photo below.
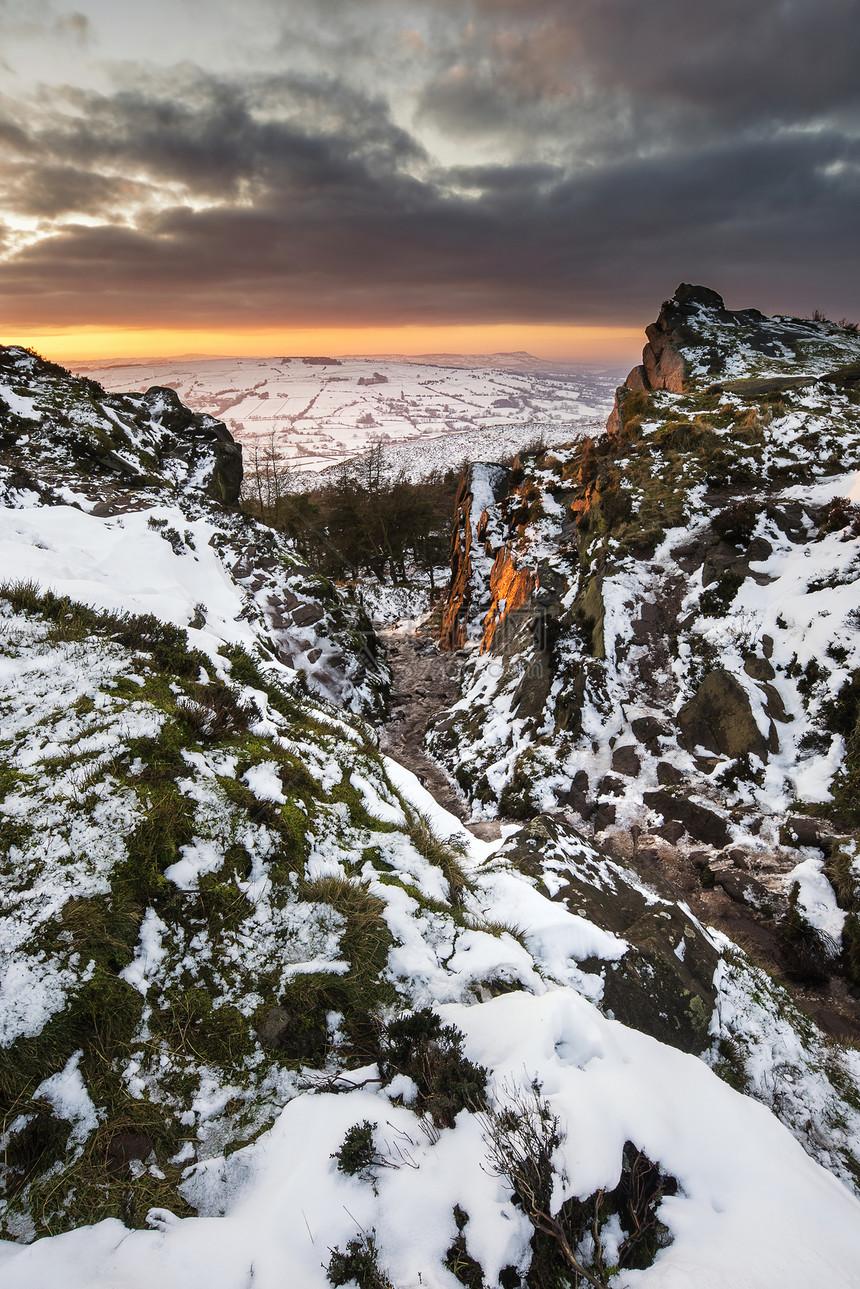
(424, 681)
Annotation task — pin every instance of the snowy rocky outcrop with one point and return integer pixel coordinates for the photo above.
(695, 336)
(128, 502)
(269, 1015)
(683, 677)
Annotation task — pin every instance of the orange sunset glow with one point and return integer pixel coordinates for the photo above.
(564, 344)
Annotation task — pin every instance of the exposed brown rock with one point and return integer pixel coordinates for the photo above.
(628, 398)
(663, 984)
(625, 760)
(226, 479)
(759, 668)
(638, 379)
(469, 528)
(510, 587)
(666, 371)
(698, 821)
(719, 718)
(744, 889)
(648, 728)
(452, 634)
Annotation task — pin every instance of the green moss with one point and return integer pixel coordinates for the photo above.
(636, 404)
(516, 800)
(364, 991)
(806, 955)
(154, 846)
(70, 621)
(103, 929)
(730, 1065)
(589, 611)
(851, 948)
(222, 904)
(94, 1184)
(842, 866)
(245, 670)
(193, 1026)
(359, 816)
(8, 778)
(289, 821)
(99, 1019)
(684, 436)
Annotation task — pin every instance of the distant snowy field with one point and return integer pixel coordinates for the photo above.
(321, 411)
(422, 457)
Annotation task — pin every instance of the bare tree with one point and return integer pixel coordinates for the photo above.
(268, 481)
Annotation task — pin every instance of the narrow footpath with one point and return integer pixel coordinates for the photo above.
(424, 681)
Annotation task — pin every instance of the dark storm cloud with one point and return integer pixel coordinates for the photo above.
(594, 81)
(784, 57)
(513, 179)
(635, 146)
(211, 135)
(52, 190)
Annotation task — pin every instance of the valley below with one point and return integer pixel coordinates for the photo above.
(316, 412)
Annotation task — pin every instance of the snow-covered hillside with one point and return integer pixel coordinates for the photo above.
(421, 458)
(663, 637)
(269, 1015)
(321, 411)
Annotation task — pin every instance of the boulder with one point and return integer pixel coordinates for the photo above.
(719, 717)
(698, 821)
(647, 728)
(197, 432)
(662, 358)
(625, 760)
(610, 786)
(805, 830)
(744, 889)
(638, 378)
(758, 668)
(663, 984)
(225, 482)
(629, 402)
(672, 831)
(480, 487)
(576, 796)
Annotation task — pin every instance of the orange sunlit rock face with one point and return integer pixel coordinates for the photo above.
(511, 588)
(452, 633)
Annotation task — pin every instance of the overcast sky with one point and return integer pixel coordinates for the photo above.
(258, 163)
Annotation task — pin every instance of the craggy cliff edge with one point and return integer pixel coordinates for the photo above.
(668, 650)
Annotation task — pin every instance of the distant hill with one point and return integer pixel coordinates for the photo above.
(514, 360)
